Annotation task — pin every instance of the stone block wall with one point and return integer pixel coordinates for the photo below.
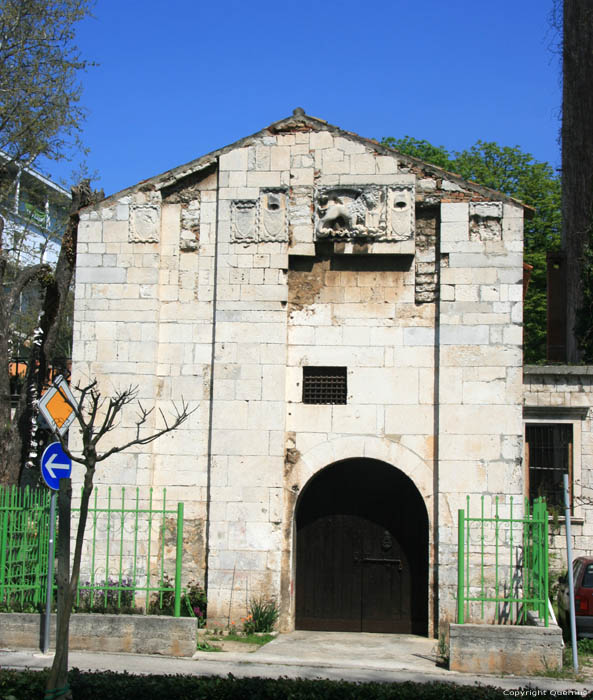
(116, 634)
(502, 649)
(305, 246)
(480, 364)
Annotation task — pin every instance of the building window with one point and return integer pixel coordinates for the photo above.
(549, 457)
(325, 385)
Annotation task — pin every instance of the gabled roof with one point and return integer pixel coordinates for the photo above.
(299, 121)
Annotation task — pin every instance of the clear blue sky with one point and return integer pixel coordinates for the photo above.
(178, 79)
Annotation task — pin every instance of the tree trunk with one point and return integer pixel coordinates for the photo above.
(68, 583)
(577, 155)
(58, 677)
(10, 452)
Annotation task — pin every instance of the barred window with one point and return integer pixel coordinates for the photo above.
(326, 385)
(549, 451)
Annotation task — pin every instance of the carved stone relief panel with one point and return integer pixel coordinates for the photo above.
(350, 212)
(376, 212)
(145, 218)
(400, 212)
(244, 220)
(273, 219)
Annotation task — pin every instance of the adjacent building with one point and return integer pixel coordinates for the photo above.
(33, 212)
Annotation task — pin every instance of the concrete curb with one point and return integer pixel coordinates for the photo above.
(269, 666)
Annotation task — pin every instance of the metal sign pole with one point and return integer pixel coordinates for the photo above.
(573, 629)
(50, 571)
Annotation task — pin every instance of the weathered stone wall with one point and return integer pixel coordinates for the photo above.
(479, 372)
(305, 245)
(501, 649)
(135, 634)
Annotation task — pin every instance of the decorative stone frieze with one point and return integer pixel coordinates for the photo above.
(365, 211)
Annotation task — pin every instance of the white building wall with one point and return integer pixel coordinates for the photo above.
(169, 266)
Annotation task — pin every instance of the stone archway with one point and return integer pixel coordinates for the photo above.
(361, 550)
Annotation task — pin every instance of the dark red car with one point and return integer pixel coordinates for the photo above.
(582, 568)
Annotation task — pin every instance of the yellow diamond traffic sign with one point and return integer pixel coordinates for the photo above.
(56, 406)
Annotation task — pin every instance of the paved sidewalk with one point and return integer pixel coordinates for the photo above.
(332, 655)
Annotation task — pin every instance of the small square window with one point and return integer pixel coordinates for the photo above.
(324, 385)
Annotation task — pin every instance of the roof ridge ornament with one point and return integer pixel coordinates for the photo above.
(298, 112)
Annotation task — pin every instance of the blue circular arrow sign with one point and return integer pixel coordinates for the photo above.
(55, 465)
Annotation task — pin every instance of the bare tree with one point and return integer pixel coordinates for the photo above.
(96, 416)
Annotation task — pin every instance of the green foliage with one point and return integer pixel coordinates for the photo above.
(111, 596)
(254, 638)
(203, 645)
(263, 615)
(13, 604)
(585, 646)
(29, 685)
(193, 601)
(40, 89)
(422, 149)
(516, 174)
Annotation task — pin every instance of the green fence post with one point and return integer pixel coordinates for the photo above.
(4, 536)
(178, 559)
(4, 541)
(460, 572)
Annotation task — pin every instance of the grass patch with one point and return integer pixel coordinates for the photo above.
(204, 645)
(30, 685)
(260, 639)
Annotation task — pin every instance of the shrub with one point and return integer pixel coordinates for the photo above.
(263, 615)
(193, 601)
(109, 596)
(585, 646)
(29, 685)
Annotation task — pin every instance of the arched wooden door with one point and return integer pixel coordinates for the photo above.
(362, 551)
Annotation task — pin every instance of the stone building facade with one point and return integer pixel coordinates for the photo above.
(559, 440)
(349, 322)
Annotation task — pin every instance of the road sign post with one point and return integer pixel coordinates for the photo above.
(57, 406)
(50, 572)
(55, 465)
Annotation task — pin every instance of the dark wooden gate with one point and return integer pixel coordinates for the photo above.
(362, 551)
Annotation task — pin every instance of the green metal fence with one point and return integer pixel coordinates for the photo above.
(132, 559)
(24, 544)
(502, 569)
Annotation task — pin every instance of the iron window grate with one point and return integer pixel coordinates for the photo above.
(325, 385)
(549, 454)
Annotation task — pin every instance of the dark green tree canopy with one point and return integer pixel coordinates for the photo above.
(517, 174)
